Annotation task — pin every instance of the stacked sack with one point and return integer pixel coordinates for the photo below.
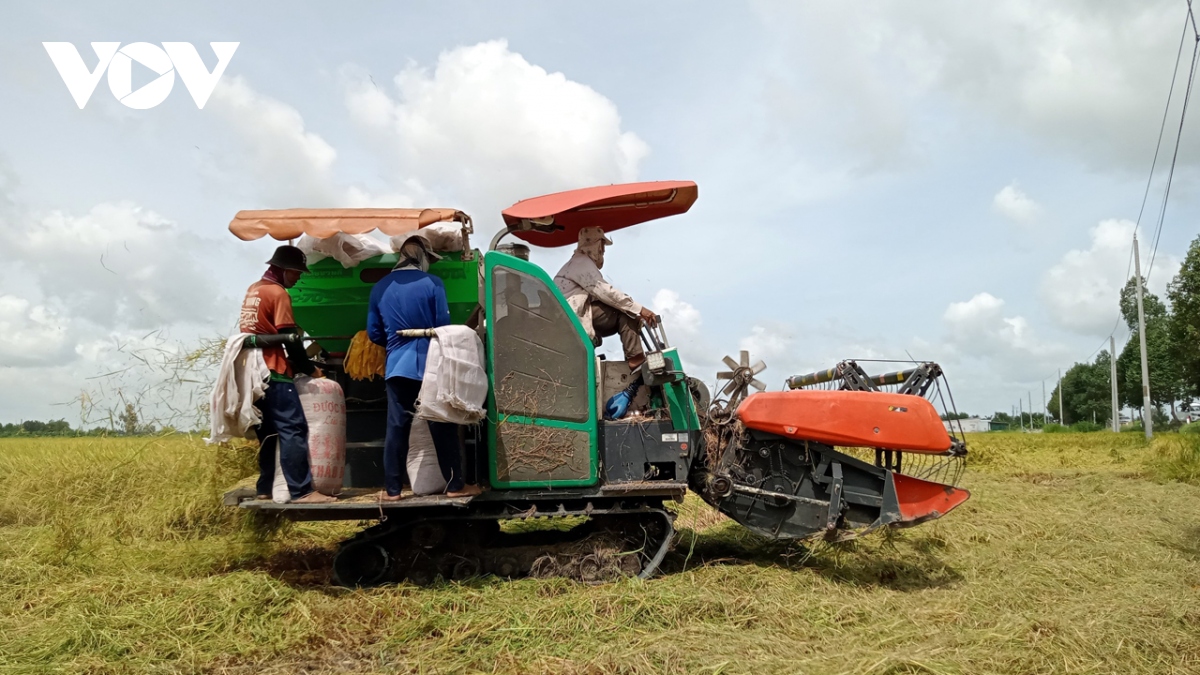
(325, 410)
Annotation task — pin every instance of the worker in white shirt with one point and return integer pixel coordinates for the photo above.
(603, 309)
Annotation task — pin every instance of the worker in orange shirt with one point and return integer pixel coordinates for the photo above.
(267, 310)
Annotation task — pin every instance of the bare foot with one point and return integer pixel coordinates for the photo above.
(383, 496)
(263, 498)
(467, 491)
(314, 498)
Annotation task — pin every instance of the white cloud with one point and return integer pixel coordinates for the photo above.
(979, 329)
(278, 162)
(684, 326)
(289, 164)
(1015, 205)
(1082, 290)
(486, 127)
(679, 314)
(767, 342)
(1066, 74)
(89, 381)
(30, 334)
(85, 295)
(481, 130)
(117, 265)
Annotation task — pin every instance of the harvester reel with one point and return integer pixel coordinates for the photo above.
(739, 379)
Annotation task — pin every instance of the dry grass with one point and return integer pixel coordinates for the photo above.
(1077, 553)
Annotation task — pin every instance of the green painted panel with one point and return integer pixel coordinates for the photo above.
(332, 300)
(578, 454)
(679, 399)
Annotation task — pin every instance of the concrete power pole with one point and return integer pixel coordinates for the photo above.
(1045, 408)
(1147, 419)
(1020, 413)
(1029, 395)
(1061, 420)
(1116, 418)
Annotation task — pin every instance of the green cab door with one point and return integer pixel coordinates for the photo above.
(542, 373)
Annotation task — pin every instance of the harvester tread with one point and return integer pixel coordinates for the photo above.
(618, 539)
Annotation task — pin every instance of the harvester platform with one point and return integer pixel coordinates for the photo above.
(358, 504)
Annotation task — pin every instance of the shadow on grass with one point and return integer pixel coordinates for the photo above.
(302, 567)
(879, 564)
(846, 562)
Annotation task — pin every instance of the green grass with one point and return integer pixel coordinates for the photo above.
(1076, 553)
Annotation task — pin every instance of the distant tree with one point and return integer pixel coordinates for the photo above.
(37, 428)
(1086, 391)
(1003, 418)
(1184, 294)
(1166, 375)
(956, 416)
(129, 420)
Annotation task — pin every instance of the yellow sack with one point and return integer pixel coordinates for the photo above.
(364, 359)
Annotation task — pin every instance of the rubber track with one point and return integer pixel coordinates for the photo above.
(392, 534)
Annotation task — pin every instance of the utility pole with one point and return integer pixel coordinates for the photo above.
(1147, 420)
(1116, 419)
(1020, 414)
(1029, 395)
(1061, 420)
(1045, 408)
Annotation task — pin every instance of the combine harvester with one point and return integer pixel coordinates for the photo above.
(835, 456)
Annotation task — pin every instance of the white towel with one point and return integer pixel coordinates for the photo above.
(241, 381)
(455, 385)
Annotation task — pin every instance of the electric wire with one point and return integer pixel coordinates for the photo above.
(1162, 214)
(1188, 21)
(1162, 127)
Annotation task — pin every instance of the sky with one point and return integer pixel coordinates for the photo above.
(940, 180)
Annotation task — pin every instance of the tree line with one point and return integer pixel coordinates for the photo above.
(126, 424)
(1172, 356)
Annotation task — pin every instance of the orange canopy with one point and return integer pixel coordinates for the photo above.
(610, 207)
(285, 224)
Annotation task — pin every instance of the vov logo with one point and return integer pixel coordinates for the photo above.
(171, 58)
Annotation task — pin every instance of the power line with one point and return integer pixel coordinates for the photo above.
(1163, 125)
(1188, 21)
(1178, 139)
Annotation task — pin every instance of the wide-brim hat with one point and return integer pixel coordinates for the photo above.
(289, 258)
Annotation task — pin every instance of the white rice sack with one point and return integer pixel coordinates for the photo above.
(348, 249)
(424, 473)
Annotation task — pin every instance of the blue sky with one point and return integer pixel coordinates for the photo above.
(947, 180)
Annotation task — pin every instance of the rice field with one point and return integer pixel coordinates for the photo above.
(1077, 553)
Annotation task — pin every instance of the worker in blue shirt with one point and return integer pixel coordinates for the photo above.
(409, 297)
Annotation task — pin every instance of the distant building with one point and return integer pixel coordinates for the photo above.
(969, 425)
